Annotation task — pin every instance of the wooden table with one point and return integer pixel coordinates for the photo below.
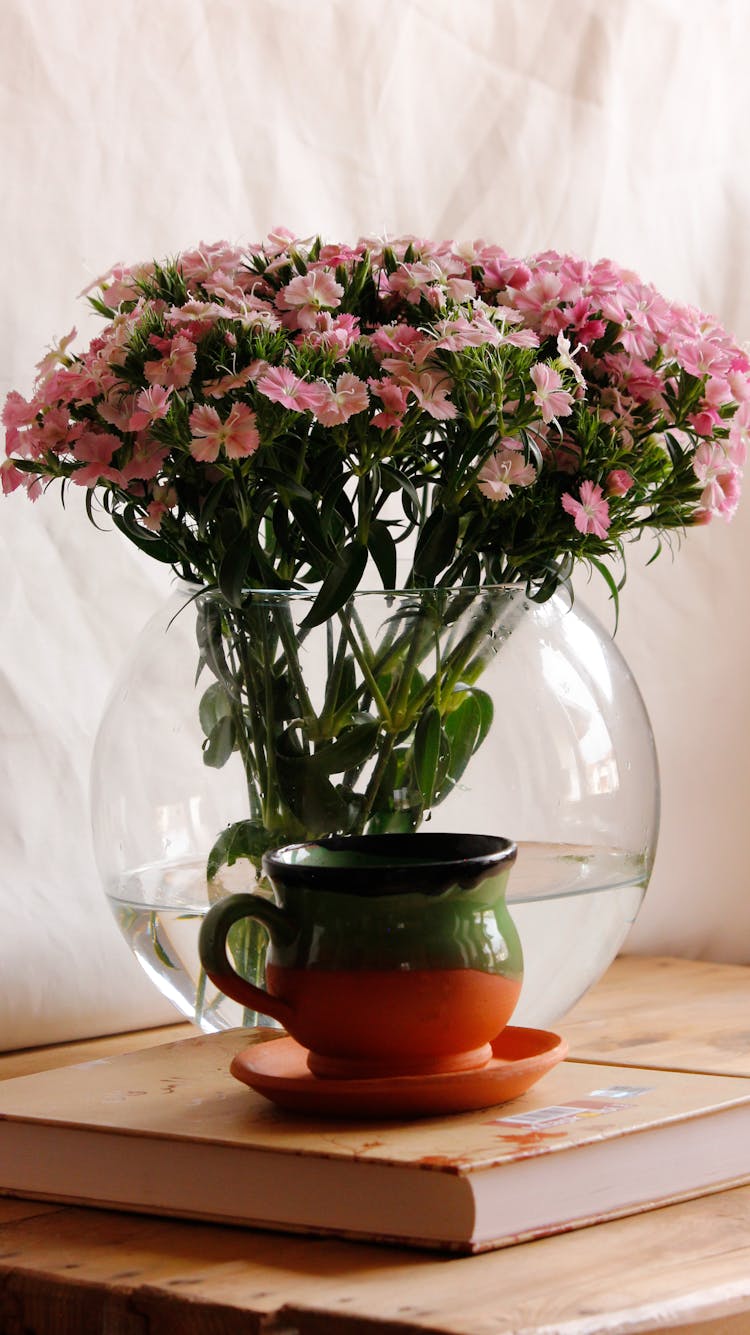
(685, 1268)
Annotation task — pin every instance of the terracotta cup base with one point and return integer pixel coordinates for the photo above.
(374, 1068)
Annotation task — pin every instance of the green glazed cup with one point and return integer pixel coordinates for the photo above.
(389, 954)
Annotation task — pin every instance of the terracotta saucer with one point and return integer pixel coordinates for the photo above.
(278, 1070)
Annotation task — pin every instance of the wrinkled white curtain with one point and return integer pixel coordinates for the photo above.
(605, 127)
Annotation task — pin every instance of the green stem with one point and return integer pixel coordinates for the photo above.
(333, 685)
(455, 665)
(453, 668)
(200, 996)
(249, 760)
(413, 658)
(438, 668)
(252, 751)
(291, 663)
(271, 787)
(365, 669)
(371, 791)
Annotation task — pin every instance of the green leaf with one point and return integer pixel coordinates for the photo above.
(472, 572)
(335, 502)
(285, 702)
(341, 684)
(233, 569)
(220, 743)
(392, 479)
(462, 728)
(609, 580)
(209, 634)
(389, 261)
(427, 745)
(210, 506)
(392, 822)
(486, 714)
(383, 552)
(298, 261)
(309, 523)
(350, 749)
(141, 537)
(436, 544)
(264, 570)
(443, 765)
(455, 604)
(338, 585)
(286, 485)
(398, 777)
(158, 948)
(356, 283)
(214, 706)
(243, 839)
(101, 307)
(310, 796)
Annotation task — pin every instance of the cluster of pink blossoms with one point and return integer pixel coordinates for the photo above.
(393, 346)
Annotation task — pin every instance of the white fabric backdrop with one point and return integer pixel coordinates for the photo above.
(606, 127)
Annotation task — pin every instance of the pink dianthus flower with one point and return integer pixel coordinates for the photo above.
(431, 391)
(504, 470)
(151, 405)
(95, 449)
(176, 367)
(337, 405)
(549, 396)
(618, 482)
(591, 513)
(309, 293)
(237, 436)
(281, 385)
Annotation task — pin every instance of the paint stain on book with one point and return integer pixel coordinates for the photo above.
(453, 1162)
(170, 1083)
(527, 1140)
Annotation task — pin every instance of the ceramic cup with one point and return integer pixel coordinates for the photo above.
(389, 954)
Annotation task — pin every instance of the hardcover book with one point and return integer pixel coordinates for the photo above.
(169, 1131)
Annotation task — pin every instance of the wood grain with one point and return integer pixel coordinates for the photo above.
(674, 1014)
(683, 1269)
(633, 1274)
(25, 1060)
(11, 1210)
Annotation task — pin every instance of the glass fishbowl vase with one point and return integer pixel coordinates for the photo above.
(233, 730)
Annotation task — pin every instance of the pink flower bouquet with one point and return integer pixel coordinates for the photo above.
(249, 414)
(293, 414)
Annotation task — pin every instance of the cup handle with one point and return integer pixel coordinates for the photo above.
(212, 948)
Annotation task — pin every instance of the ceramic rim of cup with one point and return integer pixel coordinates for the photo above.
(390, 863)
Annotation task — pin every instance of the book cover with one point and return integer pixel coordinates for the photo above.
(169, 1131)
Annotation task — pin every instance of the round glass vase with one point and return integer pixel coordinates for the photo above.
(231, 731)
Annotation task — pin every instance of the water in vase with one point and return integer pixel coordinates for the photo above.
(572, 905)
